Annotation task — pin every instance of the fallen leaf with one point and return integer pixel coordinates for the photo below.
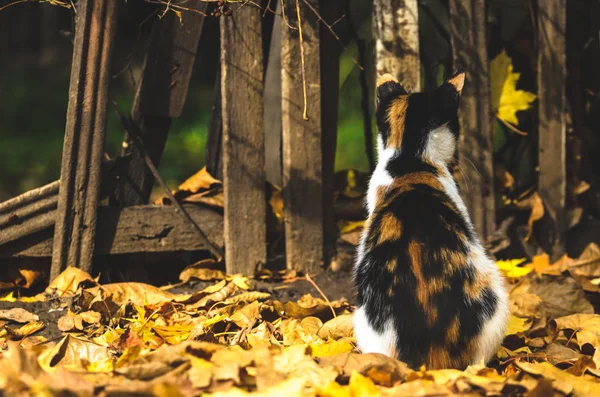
(562, 381)
(338, 327)
(332, 348)
(517, 325)
(560, 296)
(361, 386)
(199, 181)
(585, 326)
(510, 268)
(506, 99)
(18, 315)
(68, 282)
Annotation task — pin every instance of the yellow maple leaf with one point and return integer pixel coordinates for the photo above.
(510, 268)
(506, 99)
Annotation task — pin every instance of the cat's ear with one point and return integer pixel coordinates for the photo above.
(388, 87)
(458, 81)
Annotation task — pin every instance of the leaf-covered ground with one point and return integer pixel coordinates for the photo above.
(232, 339)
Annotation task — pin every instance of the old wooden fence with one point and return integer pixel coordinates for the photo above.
(300, 63)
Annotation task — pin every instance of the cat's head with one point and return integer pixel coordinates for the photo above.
(423, 125)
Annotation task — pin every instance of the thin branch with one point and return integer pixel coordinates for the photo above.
(512, 127)
(131, 130)
(310, 280)
(304, 112)
(330, 28)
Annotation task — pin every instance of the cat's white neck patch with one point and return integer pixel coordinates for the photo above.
(440, 146)
(381, 177)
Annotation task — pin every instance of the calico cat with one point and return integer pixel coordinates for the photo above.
(427, 292)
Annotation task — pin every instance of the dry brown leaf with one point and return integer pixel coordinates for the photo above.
(25, 330)
(200, 274)
(585, 326)
(366, 364)
(74, 353)
(558, 354)
(338, 327)
(210, 198)
(137, 293)
(68, 282)
(560, 296)
(525, 304)
(18, 315)
(588, 263)
(247, 315)
(562, 381)
(201, 180)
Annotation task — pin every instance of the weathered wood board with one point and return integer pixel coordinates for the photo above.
(552, 77)
(243, 147)
(28, 213)
(468, 34)
(302, 138)
(85, 132)
(161, 95)
(133, 230)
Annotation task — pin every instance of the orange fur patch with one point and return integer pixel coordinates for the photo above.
(425, 288)
(396, 118)
(391, 266)
(390, 228)
(474, 288)
(453, 331)
(452, 260)
(439, 358)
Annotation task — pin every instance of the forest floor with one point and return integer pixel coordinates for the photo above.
(282, 333)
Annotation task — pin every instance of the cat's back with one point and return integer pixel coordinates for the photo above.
(424, 274)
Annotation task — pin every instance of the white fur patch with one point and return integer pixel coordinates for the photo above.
(380, 177)
(371, 341)
(440, 146)
(452, 191)
(492, 333)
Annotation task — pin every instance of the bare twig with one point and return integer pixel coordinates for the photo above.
(330, 28)
(512, 127)
(304, 112)
(310, 280)
(131, 130)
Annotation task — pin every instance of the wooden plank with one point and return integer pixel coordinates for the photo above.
(28, 213)
(161, 95)
(133, 230)
(552, 74)
(273, 105)
(302, 138)
(396, 33)
(330, 76)
(243, 140)
(214, 142)
(469, 49)
(84, 135)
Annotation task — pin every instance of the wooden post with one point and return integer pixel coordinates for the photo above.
(302, 137)
(469, 50)
(552, 131)
(84, 135)
(396, 33)
(273, 105)
(161, 94)
(243, 140)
